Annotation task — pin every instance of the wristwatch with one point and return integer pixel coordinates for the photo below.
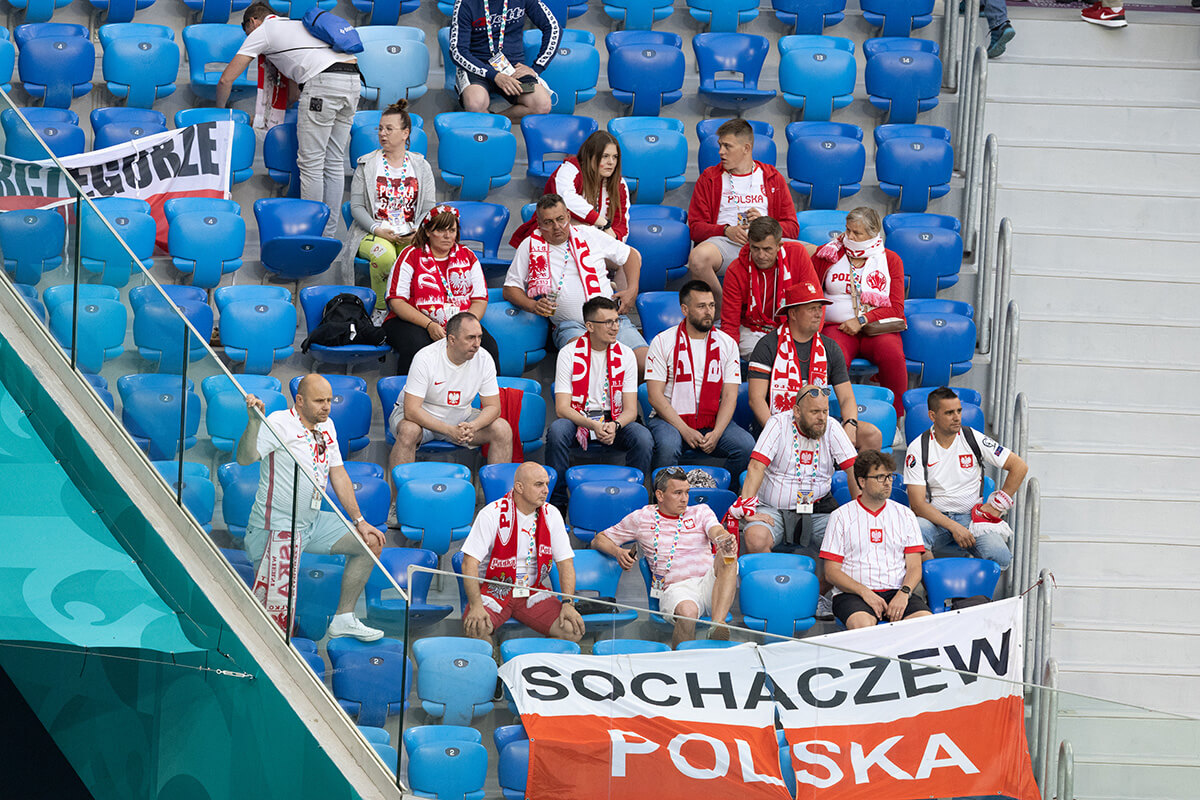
(357, 520)
(862, 319)
(853, 422)
(568, 601)
(906, 590)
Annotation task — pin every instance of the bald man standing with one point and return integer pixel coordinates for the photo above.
(515, 539)
(307, 434)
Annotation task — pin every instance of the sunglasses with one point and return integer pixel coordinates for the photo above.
(816, 391)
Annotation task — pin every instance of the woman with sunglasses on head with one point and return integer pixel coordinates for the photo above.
(432, 280)
(392, 191)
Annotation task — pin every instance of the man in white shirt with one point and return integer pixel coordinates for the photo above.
(303, 438)
(328, 100)
(595, 397)
(561, 266)
(872, 552)
(943, 472)
(677, 541)
(515, 539)
(692, 377)
(443, 381)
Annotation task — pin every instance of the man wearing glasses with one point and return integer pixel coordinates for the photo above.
(595, 397)
(307, 434)
(872, 551)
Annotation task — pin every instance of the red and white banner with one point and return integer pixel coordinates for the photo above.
(701, 723)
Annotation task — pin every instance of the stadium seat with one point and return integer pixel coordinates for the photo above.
(32, 241)
(258, 325)
(723, 53)
(603, 473)
(55, 62)
(497, 480)
(448, 770)
(225, 408)
(241, 163)
(373, 496)
(120, 10)
(140, 61)
(313, 300)
(915, 399)
(435, 511)
(215, 10)
(296, 9)
(393, 64)
(931, 247)
(897, 17)
(389, 390)
(645, 77)
(916, 418)
(416, 735)
(101, 322)
(723, 15)
(914, 163)
(145, 120)
(241, 565)
(150, 411)
(104, 254)
(654, 155)
(779, 601)
(841, 492)
(531, 425)
(512, 748)
(37, 10)
(484, 223)
(30, 296)
(8, 60)
(384, 12)
(115, 133)
(60, 131)
(938, 346)
(818, 226)
(718, 474)
(903, 76)
(557, 135)
(476, 152)
(280, 146)
(100, 386)
(664, 245)
(511, 648)
(597, 573)
(628, 647)
(290, 240)
(862, 392)
(369, 732)
(158, 330)
(816, 74)
(718, 500)
(364, 135)
(350, 411)
(597, 505)
(198, 493)
(456, 679)
(239, 485)
(751, 562)
(215, 45)
(708, 155)
(573, 73)
(880, 413)
(393, 610)
(520, 337)
(937, 305)
(947, 579)
(809, 16)
(826, 161)
(206, 237)
(318, 584)
(658, 312)
(372, 682)
(639, 15)
(626, 38)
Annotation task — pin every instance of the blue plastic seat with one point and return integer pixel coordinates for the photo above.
(625, 38)
(350, 411)
(557, 135)
(38, 10)
(101, 252)
(384, 12)
(448, 770)
(120, 10)
(664, 245)
(198, 492)
(435, 511)
(862, 392)
(597, 573)
(476, 152)
(8, 60)
(646, 77)
(101, 323)
(150, 411)
(240, 564)
(394, 65)
(573, 73)
(597, 505)
(915, 399)
(256, 329)
(897, 17)
(816, 74)
(318, 584)
(658, 312)
(947, 579)
(938, 305)
(280, 146)
(484, 223)
(371, 733)
(916, 417)
(628, 647)
(718, 500)
(777, 601)
(511, 648)
(290, 237)
(602, 473)
(30, 295)
(708, 154)
(497, 480)
(140, 61)
(809, 16)
(880, 413)
(724, 53)
(417, 735)
(32, 242)
(313, 300)
(902, 80)
(723, 15)
(206, 237)
(364, 135)
(914, 163)
(931, 247)
(55, 62)
(641, 211)
(372, 682)
(239, 485)
(158, 329)
(654, 155)
(456, 678)
(215, 10)
(296, 9)
(62, 136)
(241, 162)
(115, 133)
(373, 496)
(531, 425)
(938, 346)
(751, 562)
(393, 610)
(719, 474)
(826, 161)
(213, 44)
(512, 771)
(520, 337)
(225, 408)
(706, 644)
(639, 15)
(389, 390)
(147, 119)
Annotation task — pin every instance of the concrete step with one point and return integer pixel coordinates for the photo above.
(1122, 564)
(1158, 344)
(1133, 298)
(1097, 212)
(1097, 779)
(1125, 694)
(1085, 516)
(1076, 430)
(1078, 385)
(1158, 739)
(1051, 41)
(1043, 250)
(1108, 607)
(1043, 122)
(1120, 475)
(1173, 653)
(1112, 84)
(1137, 172)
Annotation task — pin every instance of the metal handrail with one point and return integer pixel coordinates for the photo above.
(1027, 514)
(968, 67)
(1002, 389)
(995, 268)
(1048, 729)
(1066, 771)
(950, 53)
(982, 169)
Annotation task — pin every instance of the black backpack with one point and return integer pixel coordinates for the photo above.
(344, 321)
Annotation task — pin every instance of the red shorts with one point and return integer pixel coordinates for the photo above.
(539, 617)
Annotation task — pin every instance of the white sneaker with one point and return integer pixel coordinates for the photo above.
(824, 607)
(379, 316)
(353, 627)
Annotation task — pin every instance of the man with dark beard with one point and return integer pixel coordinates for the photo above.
(692, 378)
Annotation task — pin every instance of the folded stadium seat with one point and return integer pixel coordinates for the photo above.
(658, 311)
(37, 10)
(628, 647)
(456, 680)
(520, 337)
(350, 411)
(198, 492)
(8, 60)
(258, 325)
(794, 561)
(280, 146)
(140, 61)
(778, 601)
(58, 127)
(931, 247)
(384, 12)
(225, 414)
(826, 162)
(645, 76)
(916, 417)
(879, 412)
(105, 255)
(394, 65)
(435, 511)
(816, 74)
(598, 573)
(665, 245)
(721, 53)
(120, 10)
(723, 15)
(125, 128)
(241, 161)
(617, 39)
(371, 683)
(597, 505)
(364, 135)
(32, 242)
(318, 584)
(512, 769)
(818, 226)
(903, 76)
(708, 155)
(55, 61)
(101, 324)
(207, 11)
(897, 17)
(213, 44)
(809, 16)
(289, 235)
(206, 237)
(557, 135)
(863, 391)
(639, 15)
(654, 155)
(476, 152)
(296, 9)
(239, 485)
(394, 610)
(573, 73)
(938, 346)
(484, 223)
(947, 579)
(158, 330)
(150, 411)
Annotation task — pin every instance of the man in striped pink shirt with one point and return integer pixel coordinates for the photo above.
(678, 541)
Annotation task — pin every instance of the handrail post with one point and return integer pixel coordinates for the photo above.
(1046, 766)
(966, 95)
(976, 170)
(1011, 346)
(996, 264)
(950, 53)
(1066, 771)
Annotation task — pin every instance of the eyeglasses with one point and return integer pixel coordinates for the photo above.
(816, 391)
(886, 477)
(608, 323)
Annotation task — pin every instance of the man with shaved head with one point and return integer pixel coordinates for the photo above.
(511, 545)
(299, 454)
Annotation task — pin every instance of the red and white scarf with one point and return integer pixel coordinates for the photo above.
(581, 367)
(436, 293)
(539, 281)
(873, 278)
(697, 406)
(274, 578)
(762, 313)
(274, 89)
(785, 372)
(502, 566)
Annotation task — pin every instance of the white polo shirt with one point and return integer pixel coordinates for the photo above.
(598, 391)
(955, 480)
(777, 449)
(660, 359)
(484, 531)
(601, 249)
(295, 52)
(871, 545)
(448, 389)
(273, 504)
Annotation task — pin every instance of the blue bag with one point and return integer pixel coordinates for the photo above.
(333, 30)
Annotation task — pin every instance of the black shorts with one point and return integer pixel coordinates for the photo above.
(491, 86)
(845, 604)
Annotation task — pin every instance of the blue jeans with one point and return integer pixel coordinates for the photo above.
(996, 13)
(735, 446)
(633, 438)
(939, 542)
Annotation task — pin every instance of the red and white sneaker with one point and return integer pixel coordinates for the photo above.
(1108, 17)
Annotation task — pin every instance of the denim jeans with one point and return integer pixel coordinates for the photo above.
(322, 137)
(939, 542)
(735, 446)
(633, 438)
